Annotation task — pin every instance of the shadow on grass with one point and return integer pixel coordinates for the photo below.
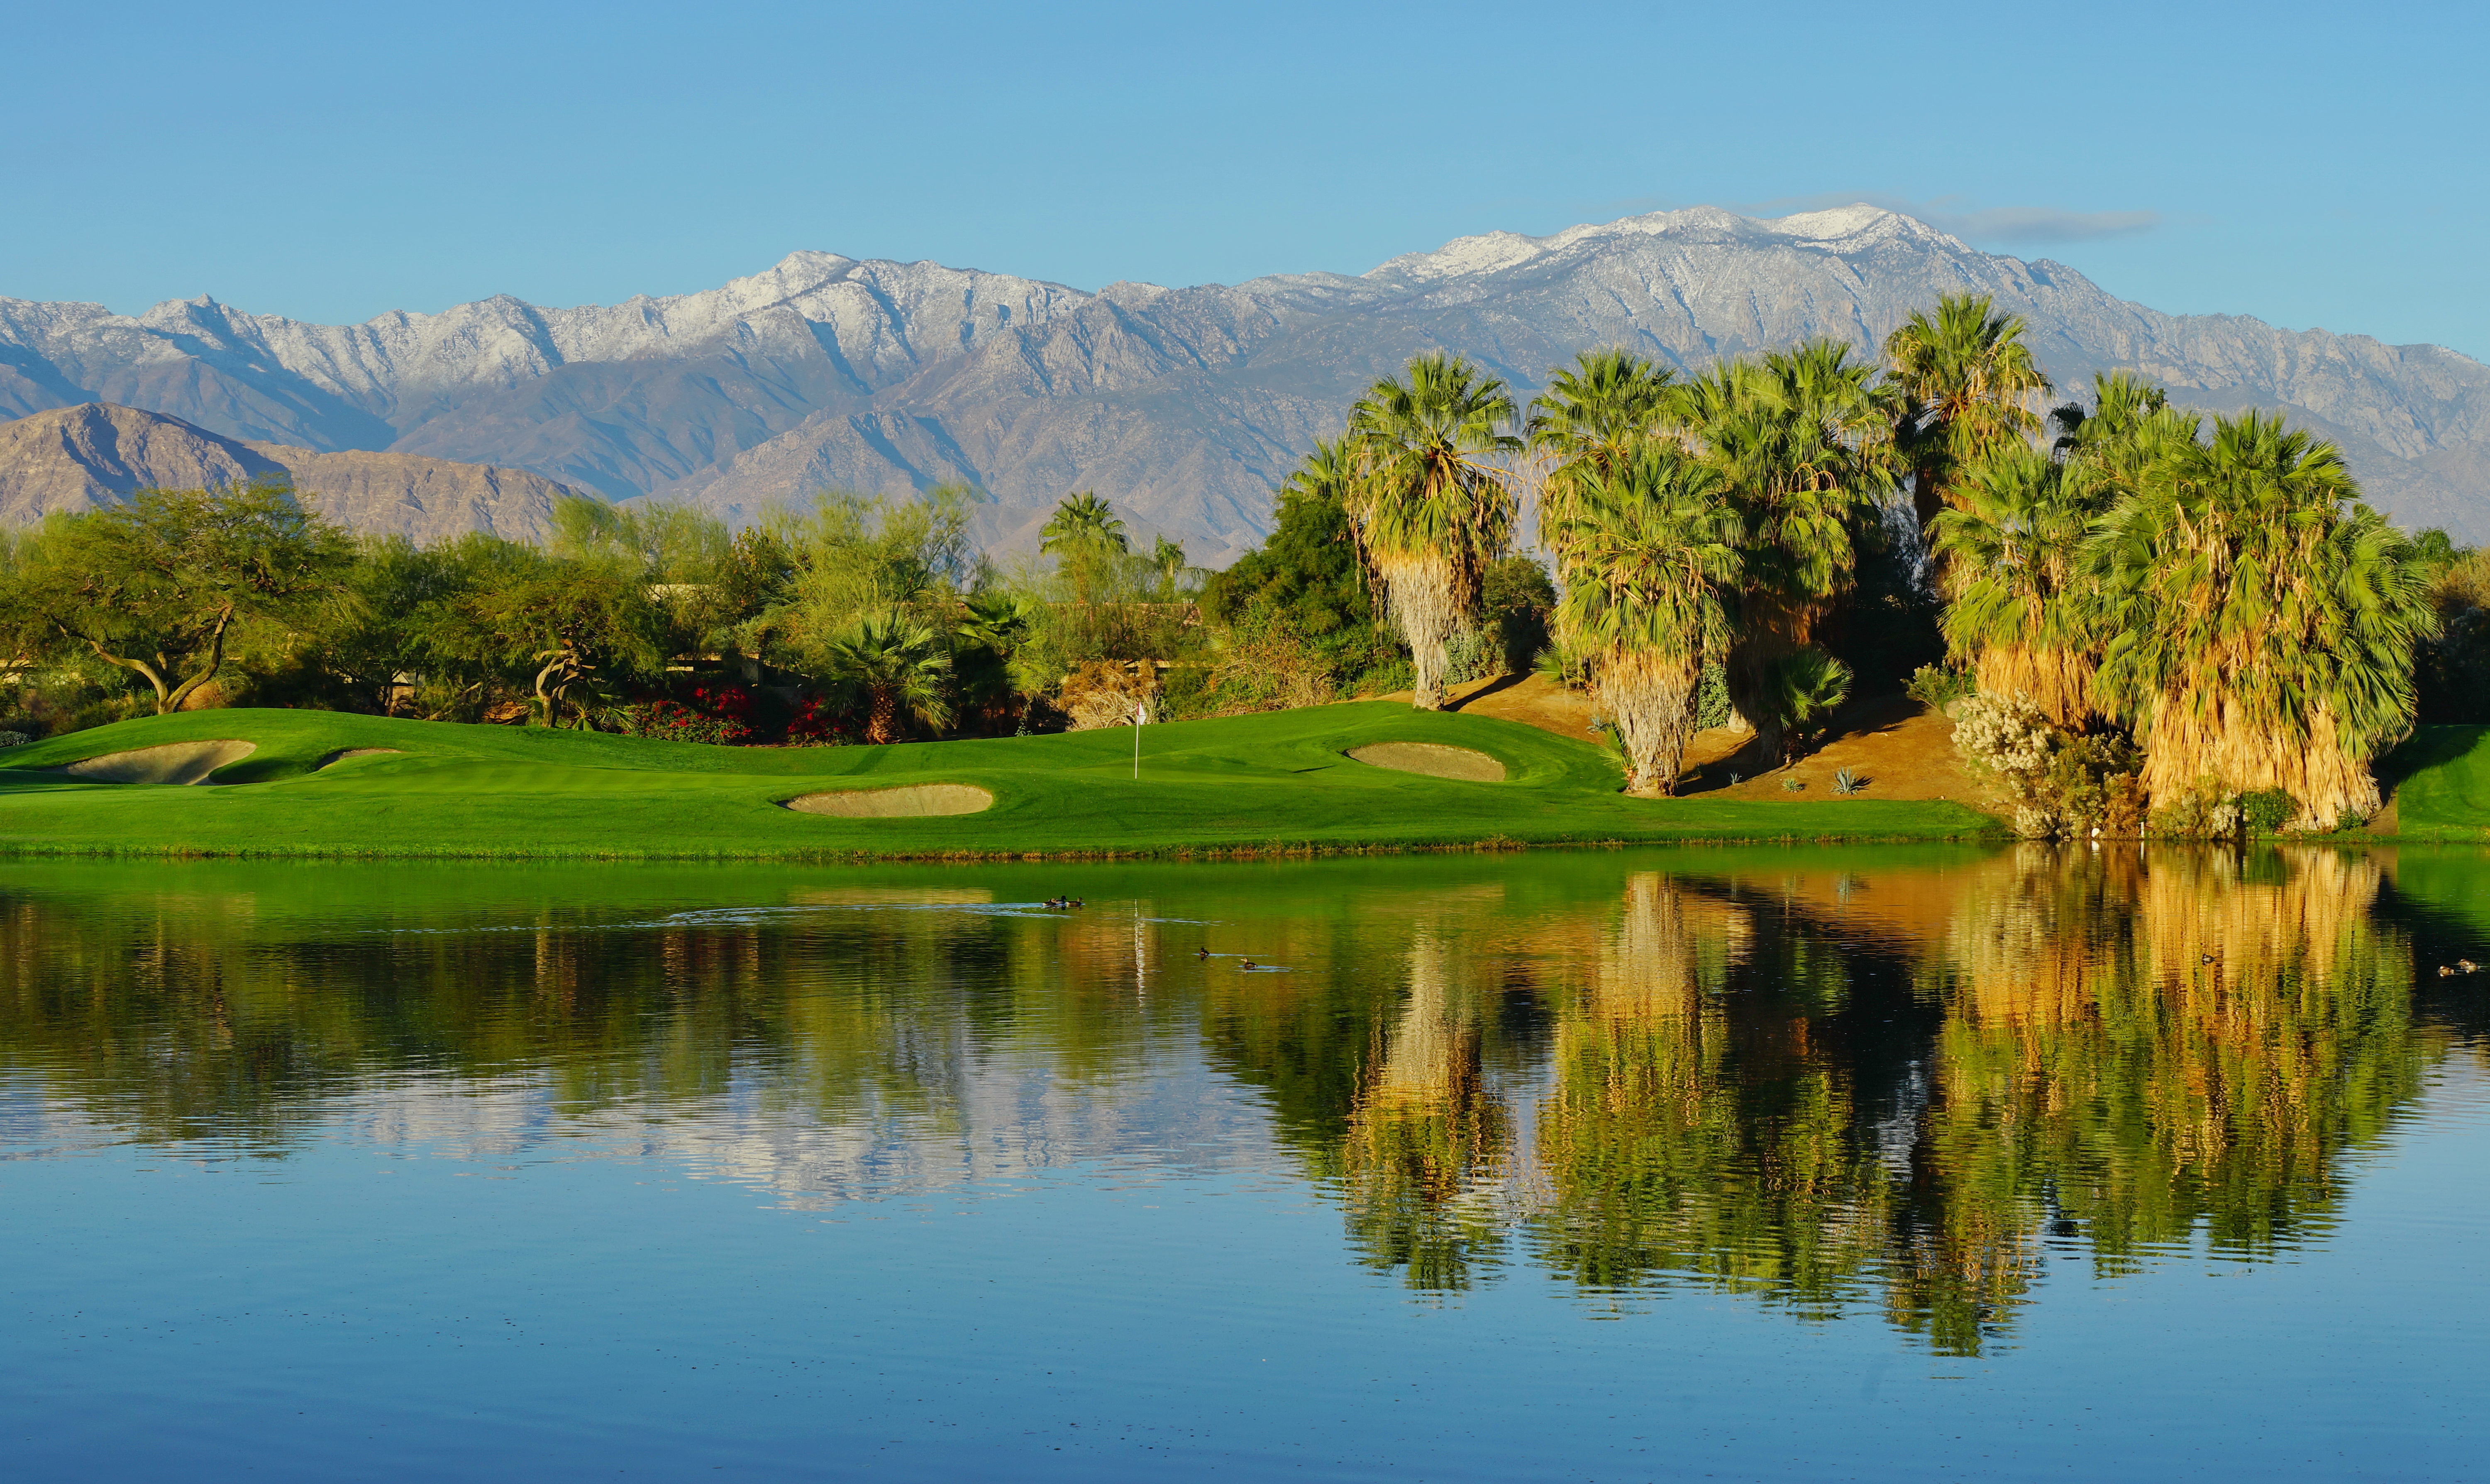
(2428, 747)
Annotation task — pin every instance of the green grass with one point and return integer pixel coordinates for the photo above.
(1256, 784)
(2441, 778)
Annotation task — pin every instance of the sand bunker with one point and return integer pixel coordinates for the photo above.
(174, 762)
(915, 801)
(344, 753)
(1432, 758)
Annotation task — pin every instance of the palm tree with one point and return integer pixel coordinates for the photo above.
(2263, 620)
(1655, 563)
(1083, 535)
(1081, 520)
(1966, 377)
(894, 664)
(1811, 685)
(1798, 440)
(1429, 504)
(1587, 424)
(2021, 615)
(1169, 564)
(2131, 427)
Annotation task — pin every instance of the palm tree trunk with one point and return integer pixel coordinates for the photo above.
(1756, 692)
(1420, 600)
(882, 719)
(1650, 699)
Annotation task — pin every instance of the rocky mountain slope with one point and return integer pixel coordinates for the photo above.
(1183, 406)
(95, 455)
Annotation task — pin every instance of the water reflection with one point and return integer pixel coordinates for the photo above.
(1836, 1083)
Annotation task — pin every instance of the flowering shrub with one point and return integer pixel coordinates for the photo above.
(816, 722)
(2060, 782)
(2008, 738)
(716, 714)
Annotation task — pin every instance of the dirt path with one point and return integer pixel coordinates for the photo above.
(1901, 747)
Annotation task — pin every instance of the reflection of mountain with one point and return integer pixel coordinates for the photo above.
(1823, 1083)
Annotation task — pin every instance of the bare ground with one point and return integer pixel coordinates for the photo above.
(1901, 747)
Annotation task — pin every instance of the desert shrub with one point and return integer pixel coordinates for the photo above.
(1472, 654)
(2268, 810)
(1104, 693)
(2207, 811)
(1395, 675)
(2060, 782)
(1712, 698)
(1265, 666)
(2123, 805)
(716, 714)
(1515, 597)
(1187, 692)
(1937, 686)
(2007, 739)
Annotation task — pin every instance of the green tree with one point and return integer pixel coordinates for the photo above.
(1656, 565)
(379, 626)
(1174, 576)
(1799, 440)
(1589, 422)
(160, 586)
(1301, 590)
(1087, 541)
(2022, 611)
(1429, 502)
(2262, 620)
(896, 668)
(816, 572)
(578, 636)
(1968, 378)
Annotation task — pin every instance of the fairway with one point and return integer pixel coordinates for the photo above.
(318, 782)
(2441, 778)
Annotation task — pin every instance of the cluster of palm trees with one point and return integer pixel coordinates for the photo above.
(2221, 591)
(2227, 599)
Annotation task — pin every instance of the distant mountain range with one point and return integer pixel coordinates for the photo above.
(1180, 405)
(95, 454)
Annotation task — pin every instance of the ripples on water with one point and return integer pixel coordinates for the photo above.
(1922, 1091)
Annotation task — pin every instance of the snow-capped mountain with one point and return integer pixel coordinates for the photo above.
(1180, 405)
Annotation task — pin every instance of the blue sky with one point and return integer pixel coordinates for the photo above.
(2309, 165)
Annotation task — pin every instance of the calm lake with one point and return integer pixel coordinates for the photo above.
(1741, 1163)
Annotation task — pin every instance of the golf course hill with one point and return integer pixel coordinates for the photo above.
(276, 782)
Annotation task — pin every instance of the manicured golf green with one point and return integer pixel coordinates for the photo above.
(2440, 777)
(1274, 782)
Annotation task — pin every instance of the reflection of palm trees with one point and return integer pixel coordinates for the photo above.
(1426, 1138)
(1663, 1156)
(2135, 1050)
(1814, 1082)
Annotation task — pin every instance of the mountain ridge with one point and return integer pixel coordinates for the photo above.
(1182, 406)
(95, 454)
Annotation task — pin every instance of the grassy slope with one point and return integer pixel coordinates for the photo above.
(1247, 783)
(2441, 779)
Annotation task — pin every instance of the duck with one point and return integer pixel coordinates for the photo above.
(2208, 958)
(2443, 972)
(2468, 965)
(1202, 953)
(1247, 964)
